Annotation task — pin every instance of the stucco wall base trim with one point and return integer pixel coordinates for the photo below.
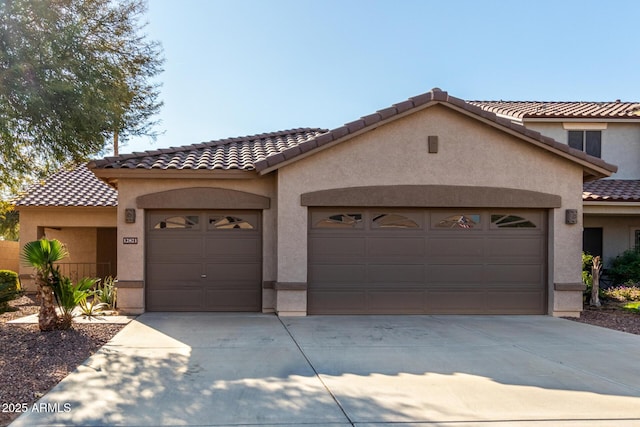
(569, 287)
(290, 286)
(203, 198)
(130, 284)
(437, 196)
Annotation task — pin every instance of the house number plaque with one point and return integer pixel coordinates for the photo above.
(130, 240)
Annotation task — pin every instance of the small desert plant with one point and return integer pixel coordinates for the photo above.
(106, 292)
(628, 292)
(70, 295)
(91, 308)
(9, 288)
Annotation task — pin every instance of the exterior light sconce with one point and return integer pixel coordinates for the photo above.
(571, 216)
(130, 216)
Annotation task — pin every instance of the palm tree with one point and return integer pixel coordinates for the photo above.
(41, 254)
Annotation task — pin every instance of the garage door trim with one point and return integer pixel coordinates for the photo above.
(431, 196)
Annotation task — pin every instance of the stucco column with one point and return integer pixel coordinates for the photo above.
(291, 284)
(567, 287)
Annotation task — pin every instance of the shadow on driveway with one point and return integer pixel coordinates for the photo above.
(253, 369)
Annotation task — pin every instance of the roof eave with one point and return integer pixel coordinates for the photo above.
(111, 176)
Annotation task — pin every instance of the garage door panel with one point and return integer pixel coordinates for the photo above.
(229, 247)
(326, 247)
(454, 273)
(494, 261)
(386, 302)
(165, 299)
(456, 301)
(338, 273)
(181, 247)
(511, 302)
(390, 273)
(447, 246)
(171, 270)
(395, 247)
(515, 247)
(336, 301)
(514, 274)
(232, 300)
(234, 272)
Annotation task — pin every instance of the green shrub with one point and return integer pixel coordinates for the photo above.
(629, 292)
(70, 295)
(633, 307)
(625, 268)
(10, 288)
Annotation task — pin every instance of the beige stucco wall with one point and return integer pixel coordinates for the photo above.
(470, 154)
(9, 255)
(620, 144)
(131, 258)
(73, 226)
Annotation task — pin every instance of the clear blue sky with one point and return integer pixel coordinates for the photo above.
(241, 67)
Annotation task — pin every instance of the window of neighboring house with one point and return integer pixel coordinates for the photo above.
(589, 141)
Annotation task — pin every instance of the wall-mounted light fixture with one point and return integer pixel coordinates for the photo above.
(130, 216)
(571, 216)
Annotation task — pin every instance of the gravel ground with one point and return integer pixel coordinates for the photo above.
(32, 362)
(612, 317)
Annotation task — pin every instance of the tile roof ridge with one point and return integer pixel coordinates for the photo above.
(516, 101)
(435, 95)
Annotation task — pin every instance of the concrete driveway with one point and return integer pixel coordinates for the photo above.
(252, 369)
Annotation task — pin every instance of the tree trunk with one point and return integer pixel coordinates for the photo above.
(47, 317)
(116, 149)
(595, 288)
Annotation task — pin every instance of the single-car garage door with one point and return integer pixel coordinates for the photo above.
(383, 261)
(203, 261)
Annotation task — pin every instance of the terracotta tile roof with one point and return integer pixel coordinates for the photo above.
(269, 151)
(436, 95)
(612, 190)
(561, 110)
(241, 153)
(77, 187)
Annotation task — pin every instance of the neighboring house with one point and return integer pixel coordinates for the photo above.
(432, 205)
(80, 211)
(608, 130)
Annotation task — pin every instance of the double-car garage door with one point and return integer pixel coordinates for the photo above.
(204, 261)
(368, 261)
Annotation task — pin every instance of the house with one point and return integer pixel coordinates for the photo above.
(607, 130)
(432, 205)
(79, 210)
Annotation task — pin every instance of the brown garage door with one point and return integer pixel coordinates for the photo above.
(365, 261)
(204, 261)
